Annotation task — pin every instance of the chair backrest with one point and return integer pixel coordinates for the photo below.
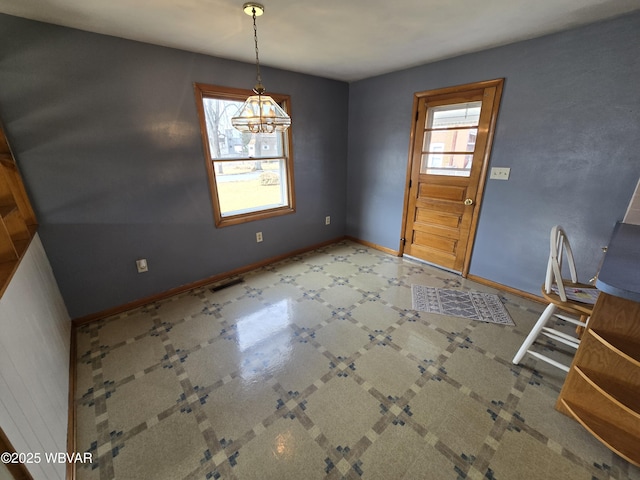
(559, 249)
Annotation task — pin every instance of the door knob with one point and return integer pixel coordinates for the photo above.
(468, 201)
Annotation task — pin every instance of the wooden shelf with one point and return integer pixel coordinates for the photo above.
(17, 220)
(621, 394)
(601, 388)
(21, 246)
(6, 210)
(620, 441)
(625, 346)
(7, 269)
(6, 157)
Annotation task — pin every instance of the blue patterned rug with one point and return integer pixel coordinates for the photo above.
(484, 307)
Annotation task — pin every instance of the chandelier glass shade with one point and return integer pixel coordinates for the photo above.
(260, 113)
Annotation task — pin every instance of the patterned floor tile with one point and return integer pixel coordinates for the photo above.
(125, 328)
(314, 279)
(284, 450)
(308, 313)
(341, 337)
(394, 269)
(502, 342)
(537, 411)
(396, 454)
(132, 358)
(179, 307)
(431, 464)
(449, 324)
(397, 295)
(451, 415)
(375, 315)
(236, 407)
(390, 373)
(85, 426)
(367, 280)
(286, 291)
(342, 410)
(148, 455)
(489, 379)
(211, 364)
(341, 294)
(317, 367)
(192, 331)
(424, 342)
(518, 457)
(227, 294)
(248, 305)
(304, 365)
(135, 402)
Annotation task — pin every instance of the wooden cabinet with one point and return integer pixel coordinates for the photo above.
(17, 220)
(602, 389)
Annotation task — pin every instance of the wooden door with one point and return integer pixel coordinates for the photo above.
(450, 147)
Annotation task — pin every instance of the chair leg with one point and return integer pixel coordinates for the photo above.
(535, 331)
(579, 329)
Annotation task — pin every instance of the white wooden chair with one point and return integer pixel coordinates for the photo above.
(567, 295)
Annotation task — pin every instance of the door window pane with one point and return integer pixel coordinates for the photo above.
(457, 165)
(450, 139)
(457, 115)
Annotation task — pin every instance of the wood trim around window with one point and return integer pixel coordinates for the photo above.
(202, 91)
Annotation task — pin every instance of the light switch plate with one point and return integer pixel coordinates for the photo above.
(500, 173)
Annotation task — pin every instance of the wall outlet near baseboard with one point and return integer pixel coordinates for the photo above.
(258, 237)
(142, 265)
(327, 220)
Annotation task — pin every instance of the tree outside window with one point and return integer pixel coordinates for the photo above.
(250, 175)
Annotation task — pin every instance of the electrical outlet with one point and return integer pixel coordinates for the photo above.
(258, 237)
(500, 173)
(327, 220)
(142, 265)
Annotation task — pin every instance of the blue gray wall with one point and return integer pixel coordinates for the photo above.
(569, 129)
(106, 135)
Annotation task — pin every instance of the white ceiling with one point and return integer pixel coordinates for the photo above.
(340, 39)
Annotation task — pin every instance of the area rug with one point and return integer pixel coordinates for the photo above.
(484, 307)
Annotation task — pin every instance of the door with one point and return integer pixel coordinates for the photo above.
(450, 147)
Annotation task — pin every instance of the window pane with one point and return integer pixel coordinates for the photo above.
(458, 115)
(249, 186)
(224, 140)
(227, 142)
(251, 174)
(265, 145)
(455, 165)
(454, 140)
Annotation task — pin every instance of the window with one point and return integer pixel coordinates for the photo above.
(450, 137)
(250, 175)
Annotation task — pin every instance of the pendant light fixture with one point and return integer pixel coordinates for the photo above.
(260, 113)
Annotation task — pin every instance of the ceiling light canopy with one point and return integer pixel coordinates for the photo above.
(259, 113)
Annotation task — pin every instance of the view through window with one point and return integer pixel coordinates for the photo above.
(250, 174)
(450, 137)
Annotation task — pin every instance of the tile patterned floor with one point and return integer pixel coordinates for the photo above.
(316, 367)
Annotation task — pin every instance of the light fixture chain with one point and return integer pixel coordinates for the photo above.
(260, 113)
(255, 38)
